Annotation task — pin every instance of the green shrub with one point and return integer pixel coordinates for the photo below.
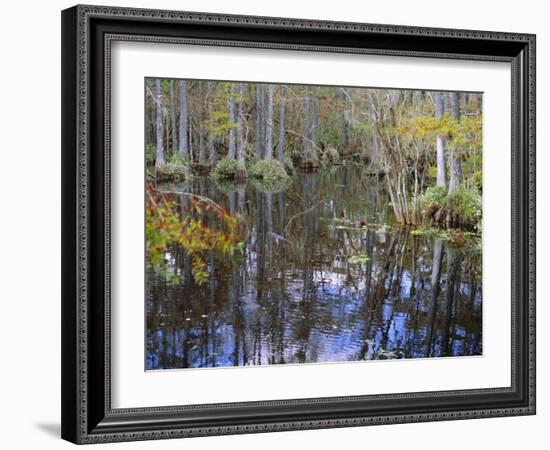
(331, 155)
(432, 173)
(478, 180)
(176, 169)
(225, 168)
(465, 207)
(268, 170)
(433, 200)
(461, 209)
(150, 154)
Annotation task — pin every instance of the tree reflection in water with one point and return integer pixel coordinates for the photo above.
(324, 277)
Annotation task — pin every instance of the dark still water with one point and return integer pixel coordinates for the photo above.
(324, 277)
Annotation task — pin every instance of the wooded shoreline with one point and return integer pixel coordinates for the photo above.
(428, 145)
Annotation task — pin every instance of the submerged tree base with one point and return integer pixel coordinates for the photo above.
(241, 174)
(201, 168)
(459, 210)
(309, 165)
(175, 170)
(225, 168)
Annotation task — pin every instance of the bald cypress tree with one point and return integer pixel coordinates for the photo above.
(183, 122)
(269, 124)
(159, 161)
(440, 142)
(241, 168)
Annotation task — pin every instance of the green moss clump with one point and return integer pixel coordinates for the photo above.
(268, 170)
(433, 200)
(461, 209)
(150, 154)
(225, 168)
(465, 208)
(331, 155)
(176, 169)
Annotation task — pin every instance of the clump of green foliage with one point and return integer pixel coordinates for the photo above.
(268, 170)
(331, 155)
(465, 207)
(150, 154)
(478, 180)
(176, 169)
(461, 209)
(225, 168)
(432, 201)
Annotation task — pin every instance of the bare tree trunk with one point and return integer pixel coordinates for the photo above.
(282, 113)
(202, 146)
(173, 118)
(454, 156)
(306, 122)
(159, 161)
(190, 141)
(211, 143)
(314, 124)
(269, 124)
(241, 168)
(183, 142)
(260, 121)
(344, 136)
(232, 151)
(440, 143)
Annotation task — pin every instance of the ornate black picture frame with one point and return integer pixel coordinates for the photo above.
(87, 34)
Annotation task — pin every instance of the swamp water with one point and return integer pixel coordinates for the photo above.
(325, 276)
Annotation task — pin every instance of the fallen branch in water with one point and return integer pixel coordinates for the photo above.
(302, 213)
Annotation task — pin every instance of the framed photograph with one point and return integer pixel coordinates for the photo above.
(279, 224)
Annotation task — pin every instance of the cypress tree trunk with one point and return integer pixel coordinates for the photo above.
(314, 124)
(173, 124)
(211, 143)
(202, 146)
(260, 121)
(282, 112)
(183, 142)
(440, 143)
(241, 168)
(232, 151)
(454, 156)
(342, 100)
(269, 124)
(159, 161)
(306, 122)
(190, 141)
